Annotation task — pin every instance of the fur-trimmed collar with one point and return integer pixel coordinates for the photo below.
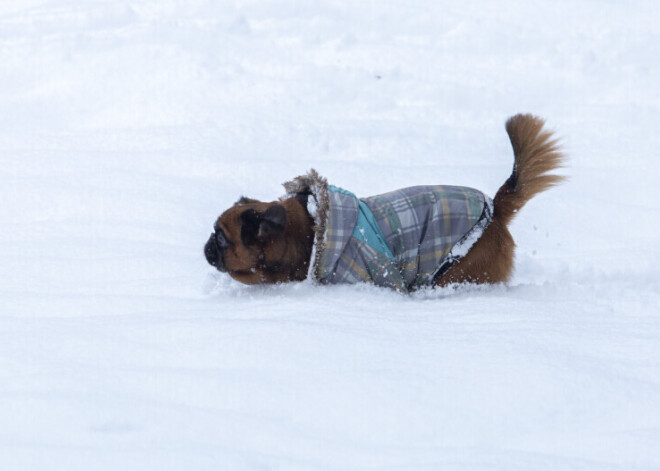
(314, 185)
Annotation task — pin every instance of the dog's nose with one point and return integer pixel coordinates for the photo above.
(213, 254)
(211, 251)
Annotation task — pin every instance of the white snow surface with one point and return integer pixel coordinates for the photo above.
(126, 127)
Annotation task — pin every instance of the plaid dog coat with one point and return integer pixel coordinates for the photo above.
(404, 239)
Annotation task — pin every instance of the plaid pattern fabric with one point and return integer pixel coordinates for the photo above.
(347, 258)
(401, 239)
(342, 216)
(420, 224)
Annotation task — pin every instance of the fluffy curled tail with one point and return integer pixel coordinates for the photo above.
(536, 153)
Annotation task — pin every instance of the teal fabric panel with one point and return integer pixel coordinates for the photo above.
(367, 229)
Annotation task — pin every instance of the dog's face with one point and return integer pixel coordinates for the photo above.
(256, 242)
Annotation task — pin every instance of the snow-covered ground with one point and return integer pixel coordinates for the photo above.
(126, 127)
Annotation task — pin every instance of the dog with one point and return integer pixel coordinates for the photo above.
(406, 239)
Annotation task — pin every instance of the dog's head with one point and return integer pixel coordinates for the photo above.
(256, 242)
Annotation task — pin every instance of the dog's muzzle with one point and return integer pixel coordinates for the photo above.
(214, 251)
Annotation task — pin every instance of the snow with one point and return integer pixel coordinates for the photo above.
(127, 127)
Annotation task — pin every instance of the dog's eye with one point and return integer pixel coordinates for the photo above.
(220, 239)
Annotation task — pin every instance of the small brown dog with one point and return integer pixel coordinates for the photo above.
(406, 239)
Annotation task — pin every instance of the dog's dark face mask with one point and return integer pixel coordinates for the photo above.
(257, 242)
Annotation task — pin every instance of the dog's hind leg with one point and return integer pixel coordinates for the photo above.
(490, 260)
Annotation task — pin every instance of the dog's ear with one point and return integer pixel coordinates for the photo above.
(273, 222)
(246, 200)
(259, 227)
(250, 220)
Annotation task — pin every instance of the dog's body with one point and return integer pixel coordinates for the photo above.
(404, 239)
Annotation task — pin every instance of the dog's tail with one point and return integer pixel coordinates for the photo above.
(536, 153)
